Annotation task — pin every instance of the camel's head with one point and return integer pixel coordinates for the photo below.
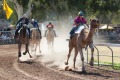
(94, 23)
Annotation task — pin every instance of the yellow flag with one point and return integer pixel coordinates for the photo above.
(8, 10)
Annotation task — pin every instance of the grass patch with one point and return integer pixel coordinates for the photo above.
(116, 65)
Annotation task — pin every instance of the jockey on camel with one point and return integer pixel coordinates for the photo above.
(50, 25)
(35, 25)
(79, 24)
(20, 23)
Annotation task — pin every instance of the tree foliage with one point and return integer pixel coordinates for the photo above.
(105, 10)
(24, 3)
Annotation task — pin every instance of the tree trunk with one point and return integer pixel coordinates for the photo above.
(19, 9)
(28, 12)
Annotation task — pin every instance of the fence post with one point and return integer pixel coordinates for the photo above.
(97, 54)
(112, 56)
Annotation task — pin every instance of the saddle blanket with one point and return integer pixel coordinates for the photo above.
(79, 29)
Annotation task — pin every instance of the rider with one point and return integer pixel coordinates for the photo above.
(20, 23)
(35, 24)
(50, 25)
(79, 22)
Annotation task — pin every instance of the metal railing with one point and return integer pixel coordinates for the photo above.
(108, 45)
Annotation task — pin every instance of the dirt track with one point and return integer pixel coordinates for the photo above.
(10, 69)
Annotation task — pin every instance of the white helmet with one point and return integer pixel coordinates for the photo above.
(25, 15)
(33, 20)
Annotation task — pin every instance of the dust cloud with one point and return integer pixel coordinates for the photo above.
(57, 55)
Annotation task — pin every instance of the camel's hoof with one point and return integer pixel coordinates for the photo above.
(91, 63)
(19, 54)
(66, 68)
(30, 56)
(83, 71)
(70, 69)
(66, 63)
(24, 53)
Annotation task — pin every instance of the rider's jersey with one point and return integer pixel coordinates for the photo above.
(80, 20)
(50, 26)
(35, 24)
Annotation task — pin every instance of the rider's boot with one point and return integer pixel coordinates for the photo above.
(40, 33)
(72, 35)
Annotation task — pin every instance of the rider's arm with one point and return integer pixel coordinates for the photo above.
(47, 26)
(27, 21)
(37, 24)
(84, 20)
(52, 26)
(76, 21)
(19, 20)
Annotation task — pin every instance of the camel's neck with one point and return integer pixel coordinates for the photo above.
(90, 35)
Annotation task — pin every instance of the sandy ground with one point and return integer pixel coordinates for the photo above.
(49, 65)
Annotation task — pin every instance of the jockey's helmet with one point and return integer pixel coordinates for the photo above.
(25, 15)
(50, 22)
(33, 20)
(80, 13)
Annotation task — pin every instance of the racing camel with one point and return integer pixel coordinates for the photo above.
(50, 37)
(82, 40)
(23, 38)
(35, 39)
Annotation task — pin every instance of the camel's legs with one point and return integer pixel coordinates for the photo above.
(48, 44)
(76, 53)
(82, 58)
(70, 49)
(52, 43)
(39, 47)
(92, 57)
(35, 48)
(28, 50)
(19, 50)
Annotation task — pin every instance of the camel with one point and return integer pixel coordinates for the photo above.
(35, 39)
(23, 38)
(82, 40)
(50, 37)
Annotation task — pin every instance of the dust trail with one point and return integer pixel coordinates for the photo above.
(58, 55)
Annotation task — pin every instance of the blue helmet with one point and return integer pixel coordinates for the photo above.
(81, 13)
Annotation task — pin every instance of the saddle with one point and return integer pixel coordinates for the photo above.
(80, 28)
